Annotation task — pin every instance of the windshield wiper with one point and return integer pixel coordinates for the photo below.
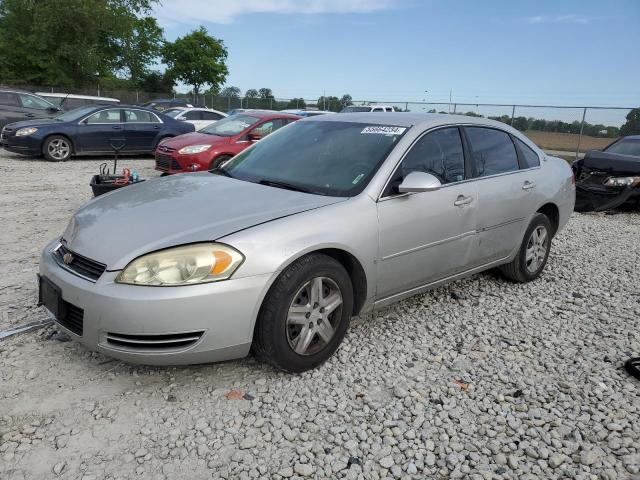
(286, 186)
(221, 171)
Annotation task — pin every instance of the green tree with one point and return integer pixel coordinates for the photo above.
(329, 103)
(197, 59)
(296, 103)
(345, 101)
(233, 92)
(251, 93)
(521, 123)
(155, 81)
(75, 43)
(265, 93)
(632, 125)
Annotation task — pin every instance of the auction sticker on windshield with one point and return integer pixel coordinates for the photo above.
(384, 130)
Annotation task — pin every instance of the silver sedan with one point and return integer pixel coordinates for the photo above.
(330, 217)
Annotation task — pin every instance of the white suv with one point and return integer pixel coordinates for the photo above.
(367, 108)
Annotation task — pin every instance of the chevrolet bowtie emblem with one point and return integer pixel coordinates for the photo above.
(67, 258)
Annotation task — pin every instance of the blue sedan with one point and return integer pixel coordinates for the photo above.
(92, 130)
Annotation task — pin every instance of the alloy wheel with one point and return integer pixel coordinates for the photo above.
(313, 316)
(537, 247)
(58, 149)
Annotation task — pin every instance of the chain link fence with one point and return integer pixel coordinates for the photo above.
(567, 131)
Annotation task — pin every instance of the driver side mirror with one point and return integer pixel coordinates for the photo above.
(419, 182)
(254, 136)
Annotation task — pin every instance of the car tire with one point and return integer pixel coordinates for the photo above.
(533, 253)
(219, 161)
(57, 148)
(294, 332)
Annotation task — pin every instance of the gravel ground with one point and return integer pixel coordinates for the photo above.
(480, 379)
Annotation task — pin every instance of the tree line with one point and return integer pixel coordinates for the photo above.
(116, 44)
(630, 127)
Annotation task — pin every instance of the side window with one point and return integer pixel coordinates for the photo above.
(193, 115)
(530, 157)
(8, 98)
(493, 151)
(388, 109)
(377, 110)
(439, 153)
(265, 129)
(139, 116)
(210, 115)
(105, 116)
(30, 101)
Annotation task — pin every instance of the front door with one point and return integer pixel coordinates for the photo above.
(427, 236)
(98, 132)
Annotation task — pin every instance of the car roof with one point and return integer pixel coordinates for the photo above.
(404, 119)
(269, 114)
(71, 95)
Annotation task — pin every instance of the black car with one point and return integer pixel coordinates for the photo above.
(92, 130)
(16, 105)
(609, 178)
(162, 104)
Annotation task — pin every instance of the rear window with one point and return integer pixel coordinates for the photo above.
(626, 146)
(530, 157)
(8, 98)
(493, 151)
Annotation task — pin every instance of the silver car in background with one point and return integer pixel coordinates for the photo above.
(330, 217)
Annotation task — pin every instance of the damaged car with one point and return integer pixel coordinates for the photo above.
(609, 178)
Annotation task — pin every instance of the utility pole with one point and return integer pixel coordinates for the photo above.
(450, 94)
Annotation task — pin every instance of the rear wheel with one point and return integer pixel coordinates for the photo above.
(219, 161)
(305, 314)
(56, 148)
(534, 252)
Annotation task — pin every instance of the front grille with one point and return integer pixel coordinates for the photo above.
(156, 343)
(164, 161)
(73, 318)
(5, 133)
(83, 266)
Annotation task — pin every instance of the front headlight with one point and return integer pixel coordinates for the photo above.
(622, 181)
(194, 149)
(23, 132)
(186, 265)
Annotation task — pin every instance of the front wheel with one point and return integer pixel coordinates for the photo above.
(305, 315)
(534, 252)
(56, 148)
(219, 161)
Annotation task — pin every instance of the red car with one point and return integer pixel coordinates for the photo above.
(215, 144)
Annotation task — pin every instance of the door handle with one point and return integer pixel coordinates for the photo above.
(117, 127)
(461, 201)
(156, 127)
(527, 185)
(30, 115)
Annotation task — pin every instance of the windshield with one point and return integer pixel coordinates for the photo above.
(173, 113)
(352, 109)
(230, 126)
(625, 147)
(75, 114)
(328, 158)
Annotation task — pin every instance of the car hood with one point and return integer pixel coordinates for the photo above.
(195, 138)
(42, 122)
(115, 228)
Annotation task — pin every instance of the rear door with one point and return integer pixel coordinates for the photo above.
(506, 192)
(35, 107)
(10, 109)
(101, 131)
(195, 118)
(141, 130)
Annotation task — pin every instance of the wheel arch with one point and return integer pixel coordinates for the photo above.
(552, 212)
(56, 134)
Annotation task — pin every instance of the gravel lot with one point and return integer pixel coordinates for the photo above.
(480, 379)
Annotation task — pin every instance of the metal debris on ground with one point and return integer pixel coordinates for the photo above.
(27, 327)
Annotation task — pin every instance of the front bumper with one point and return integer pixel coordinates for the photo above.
(596, 198)
(26, 145)
(140, 324)
(171, 163)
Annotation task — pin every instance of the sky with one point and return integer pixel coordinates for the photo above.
(540, 52)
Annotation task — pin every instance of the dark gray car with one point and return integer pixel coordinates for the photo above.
(16, 106)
